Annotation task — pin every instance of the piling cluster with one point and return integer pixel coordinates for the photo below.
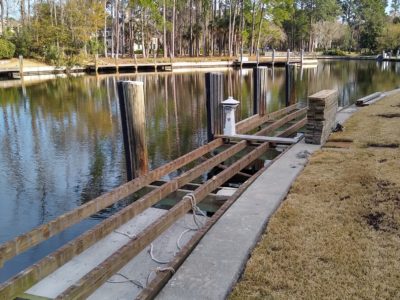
(321, 116)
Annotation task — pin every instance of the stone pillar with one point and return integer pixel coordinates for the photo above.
(321, 116)
(229, 106)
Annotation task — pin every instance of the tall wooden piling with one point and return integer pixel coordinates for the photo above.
(96, 63)
(273, 57)
(215, 95)
(260, 87)
(21, 67)
(258, 56)
(287, 83)
(131, 100)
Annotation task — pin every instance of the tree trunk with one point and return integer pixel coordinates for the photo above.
(165, 31)
(105, 29)
(117, 33)
(172, 53)
(142, 34)
(259, 26)
(253, 23)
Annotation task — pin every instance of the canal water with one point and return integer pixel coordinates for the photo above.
(61, 141)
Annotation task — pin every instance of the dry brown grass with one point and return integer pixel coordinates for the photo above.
(14, 63)
(337, 235)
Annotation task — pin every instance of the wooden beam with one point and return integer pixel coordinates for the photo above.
(294, 128)
(33, 274)
(279, 123)
(23, 242)
(256, 121)
(255, 138)
(95, 278)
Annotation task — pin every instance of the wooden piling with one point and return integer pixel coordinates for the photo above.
(215, 95)
(273, 57)
(287, 83)
(258, 56)
(96, 63)
(21, 67)
(260, 85)
(131, 100)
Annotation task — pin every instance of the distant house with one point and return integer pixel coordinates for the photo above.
(108, 36)
(11, 25)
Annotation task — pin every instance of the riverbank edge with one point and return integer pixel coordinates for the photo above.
(35, 68)
(269, 271)
(216, 264)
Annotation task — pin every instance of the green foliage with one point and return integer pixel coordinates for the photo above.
(23, 40)
(7, 49)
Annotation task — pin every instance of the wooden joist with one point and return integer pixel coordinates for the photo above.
(294, 128)
(87, 284)
(255, 121)
(255, 138)
(279, 123)
(23, 242)
(50, 263)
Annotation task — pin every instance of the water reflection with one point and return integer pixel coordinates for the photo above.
(61, 141)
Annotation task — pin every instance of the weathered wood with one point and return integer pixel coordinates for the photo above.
(364, 100)
(321, 116)
(95, 278)
(256, 120)
(255, 138)
(30, 276)
(133, 118)
(279, 123)
(214, 97)
(23, 242)
(21, 67)
(294, 128)
(96, 63)
(155, 286)
(260, 89)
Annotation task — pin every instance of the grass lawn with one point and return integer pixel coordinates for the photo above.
(337, 235)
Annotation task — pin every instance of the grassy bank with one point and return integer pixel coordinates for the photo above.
(337, 235)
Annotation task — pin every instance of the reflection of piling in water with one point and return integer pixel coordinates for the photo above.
(214, 97)
(131, 99)
(260, 80)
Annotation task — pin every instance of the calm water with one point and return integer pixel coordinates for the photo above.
(61, 141)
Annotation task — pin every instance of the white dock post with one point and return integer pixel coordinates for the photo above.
(229, 106)
(302, 56)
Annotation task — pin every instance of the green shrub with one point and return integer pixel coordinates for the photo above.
(7, 49)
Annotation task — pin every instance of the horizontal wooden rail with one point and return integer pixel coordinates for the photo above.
(23, 242)
(257, 138)
(47, 265)
(95, 278)
(294, 128)
(279, 123)
(255, 121)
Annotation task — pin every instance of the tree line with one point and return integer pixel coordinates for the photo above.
(57, 30)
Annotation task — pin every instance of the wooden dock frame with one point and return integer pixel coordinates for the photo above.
(98, 275)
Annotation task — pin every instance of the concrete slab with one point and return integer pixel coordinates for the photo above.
(138, 269)
(218, 260)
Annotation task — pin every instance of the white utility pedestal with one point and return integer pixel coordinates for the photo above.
(229, 106)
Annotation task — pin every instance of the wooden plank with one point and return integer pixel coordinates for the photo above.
(294, 128)
(155, 286)
(279, 123)
(88, 283)
(33, 274)
(23, 242)
(254, 122)
(255, 138)
(363, 101)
